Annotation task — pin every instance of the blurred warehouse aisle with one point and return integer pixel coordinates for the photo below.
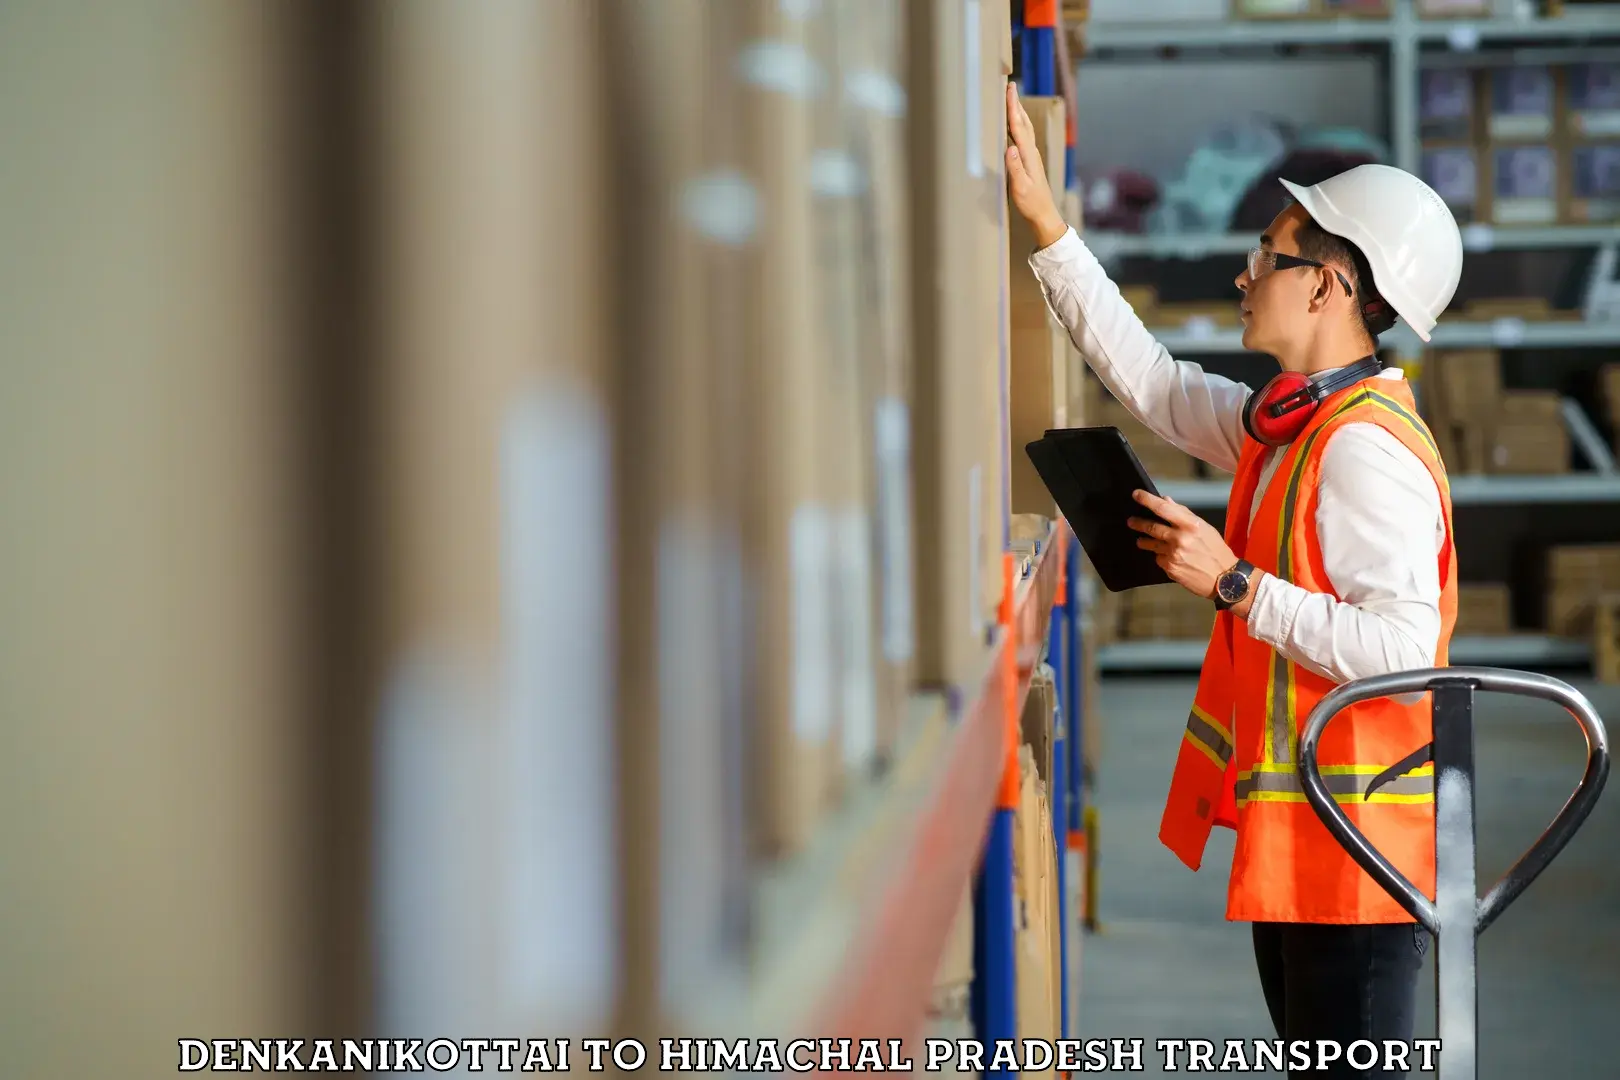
(1166, 965)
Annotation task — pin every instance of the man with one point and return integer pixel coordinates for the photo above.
(1336, 563)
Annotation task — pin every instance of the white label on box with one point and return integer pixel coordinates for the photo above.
(975, 524)
(722, 206)
(781, 66)
(691, 754)
(834, 174)
(971, 33)
(876, 91)
(811, 554)
(1600, 125)
(855, 597)
(554, 765)
(892, 438)
(1478, 237)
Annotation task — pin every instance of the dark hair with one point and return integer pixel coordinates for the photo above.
(1319, 245)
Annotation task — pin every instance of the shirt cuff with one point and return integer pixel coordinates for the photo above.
(1276, 605)
(1060, 251)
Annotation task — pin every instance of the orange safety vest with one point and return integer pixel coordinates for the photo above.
(1238, 761)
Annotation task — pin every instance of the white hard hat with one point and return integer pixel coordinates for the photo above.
(1405, 230)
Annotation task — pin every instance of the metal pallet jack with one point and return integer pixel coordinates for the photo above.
(1457, 916)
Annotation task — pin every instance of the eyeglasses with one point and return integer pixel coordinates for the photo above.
(1263, 260)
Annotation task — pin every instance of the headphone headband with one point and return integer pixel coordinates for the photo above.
(1365, 368)
(1313, 393)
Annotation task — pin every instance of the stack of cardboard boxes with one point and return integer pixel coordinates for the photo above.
(1482, 428)
(1524, 144)
(1167, 612)
(1484, 609)
(1577, 575)
(1161, 460)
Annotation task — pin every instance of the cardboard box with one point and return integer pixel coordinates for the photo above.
(1037, 722)
(792, 536)
(1593, 567)
(1570, 610)
(1455, 173)
(1524, 185)
(1534, 448)
(1040, 401)
(1035, 901)
(992, 299)
(957, 469)
(1531, 407)
(1522, 102)
(1273, 9)
(1484, 609)
(873, 49)
(1593, 171)
(1465, 385)
(955, 973)
(1446, 9)
(1028, 302)
(1609, 392)
(1448, 100)
(1593, 96)
(1606, 639)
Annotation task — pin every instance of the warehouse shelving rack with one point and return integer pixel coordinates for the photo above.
(1411, 43)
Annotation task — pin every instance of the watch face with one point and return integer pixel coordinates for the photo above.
(1232, 585)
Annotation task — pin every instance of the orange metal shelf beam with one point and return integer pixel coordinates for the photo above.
(883, 989)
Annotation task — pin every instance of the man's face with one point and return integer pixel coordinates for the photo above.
(1276, 305)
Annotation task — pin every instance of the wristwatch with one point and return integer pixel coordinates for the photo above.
(1232, 586)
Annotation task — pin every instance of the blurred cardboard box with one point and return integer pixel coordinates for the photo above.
(1533, 448)
(954, 976)
(791, 528)
(1593, 170)
(1576, 575)
(1040, 401)
(1036, 908)
(1609, 392)
(1606, 639)
(955, 265)
(1524, 185)
(1464, 384)
(1444, 9)
(1523, 103)
(992, 299)
(1593, 100)
(1484, 609)
(1448, 102)
(1455, 173)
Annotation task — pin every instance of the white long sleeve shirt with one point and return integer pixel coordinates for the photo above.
(1379, 519)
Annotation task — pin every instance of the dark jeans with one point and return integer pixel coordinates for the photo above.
(1341, 983)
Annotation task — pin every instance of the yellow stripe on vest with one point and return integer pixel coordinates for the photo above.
(1346, 783)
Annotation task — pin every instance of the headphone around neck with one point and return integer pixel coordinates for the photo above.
(1276, 413)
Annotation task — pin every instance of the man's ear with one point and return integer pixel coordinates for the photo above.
(1324, 288)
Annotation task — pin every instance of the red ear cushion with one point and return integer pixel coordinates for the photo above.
(1277, 430)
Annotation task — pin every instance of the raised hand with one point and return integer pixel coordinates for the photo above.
(1026, 176)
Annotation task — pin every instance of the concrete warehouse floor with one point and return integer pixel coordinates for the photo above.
(1165, 964)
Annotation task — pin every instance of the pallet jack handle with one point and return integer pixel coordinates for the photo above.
(1456, 916)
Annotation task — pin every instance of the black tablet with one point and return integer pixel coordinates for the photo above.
(1091, 473)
